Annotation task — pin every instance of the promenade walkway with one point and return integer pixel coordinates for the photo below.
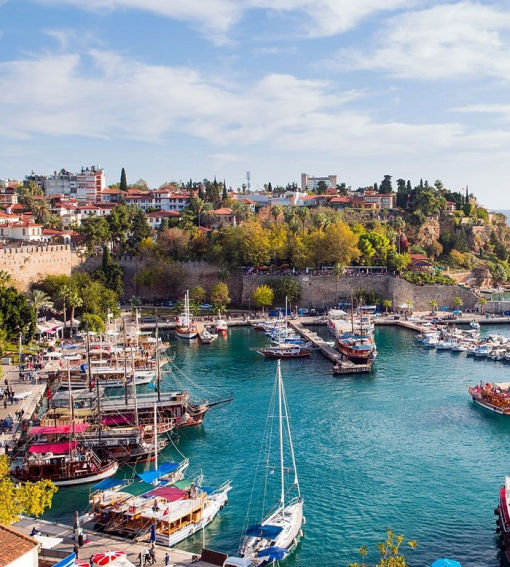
(96, 542)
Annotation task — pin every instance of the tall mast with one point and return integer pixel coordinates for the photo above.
(352, 314)
(155, 438)
(291, 445)
(280, 423)
(157, 359)
(133, 382)
(125, 362)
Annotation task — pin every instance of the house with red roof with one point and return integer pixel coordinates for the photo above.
(17, 549)
(223, 217)
(21, 230)
(155, 218)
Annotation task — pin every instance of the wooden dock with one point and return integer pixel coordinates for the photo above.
(340, 366)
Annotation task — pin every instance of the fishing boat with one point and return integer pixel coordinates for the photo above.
(206, 337)
(482, 351)
(221, 325)
(474, 324)
(278, 532)
(186, 328)
(492, 396)
(503, 517)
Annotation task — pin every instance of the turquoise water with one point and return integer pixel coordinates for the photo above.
(403, 448)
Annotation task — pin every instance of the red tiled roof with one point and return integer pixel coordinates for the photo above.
(307, 197)
(223, 211)
(14, 545)
(50, 232)
(88, 207)
(112, 191)
(341, 199)
(179, 196)
(204, 229)
(163, 214)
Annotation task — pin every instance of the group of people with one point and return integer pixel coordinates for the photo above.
(7, 394)
(148, 556)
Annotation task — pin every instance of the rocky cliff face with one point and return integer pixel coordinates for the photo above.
(427, 233)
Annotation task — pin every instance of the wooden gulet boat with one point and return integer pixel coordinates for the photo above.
(494, 396)
(186, 328)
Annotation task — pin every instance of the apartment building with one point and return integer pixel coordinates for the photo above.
(311, 182)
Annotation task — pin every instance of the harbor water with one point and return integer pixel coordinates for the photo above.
(403, 448)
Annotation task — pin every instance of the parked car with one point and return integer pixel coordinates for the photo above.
(148, 319)
(206, 306)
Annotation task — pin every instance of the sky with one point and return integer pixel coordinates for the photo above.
(180, 89)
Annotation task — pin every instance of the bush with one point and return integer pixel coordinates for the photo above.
(427, 279)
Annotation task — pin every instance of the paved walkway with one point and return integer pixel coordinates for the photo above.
(97, 542)
(34, 391)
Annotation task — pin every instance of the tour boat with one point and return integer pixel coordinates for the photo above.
(221, 325)
(336, 319)
(206, 337)
(285, 350)
(474, 324)
(186, 328)
(492, 396)
(64, 463)
(360, 349)
(503, 520)
(273, 538)
(482, 351)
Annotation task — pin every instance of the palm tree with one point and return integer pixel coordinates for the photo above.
(41, 210)
(64, 292)
(74, 300)
(276, 212)
(39, 300)
(198, 206)
(433, 305)
(386, 304)
(289, 214)
(208, 214)
(303, 214)
(54, 222)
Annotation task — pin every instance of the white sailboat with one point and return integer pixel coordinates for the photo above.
(278, 533)
(186, 328)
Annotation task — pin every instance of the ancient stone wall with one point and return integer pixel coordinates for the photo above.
(27, 264)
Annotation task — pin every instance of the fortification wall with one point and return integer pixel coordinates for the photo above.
(319, 291)
(27, 264)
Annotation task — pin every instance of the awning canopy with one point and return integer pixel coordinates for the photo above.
(56, 448)
(58, 429)
(170, 493)
(138, 488)
(108, 483)
(266, 531)
(151, 476)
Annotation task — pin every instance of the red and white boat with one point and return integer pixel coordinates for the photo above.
(492, 396)
(221, 325)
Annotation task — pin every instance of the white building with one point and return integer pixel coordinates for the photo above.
(155, 218)
(85, 185)
(311, 183)
(21, 231)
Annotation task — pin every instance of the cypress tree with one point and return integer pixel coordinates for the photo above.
(224, 195)
(123, 181)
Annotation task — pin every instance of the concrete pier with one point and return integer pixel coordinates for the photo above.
(96, 542)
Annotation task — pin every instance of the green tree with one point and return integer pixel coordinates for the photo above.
(219, 296)
(74, 300)
(140, 229)
(303, 214)
(285, 288)
(29, 499)
(386, 186)
(322, 188)
(39, 300)
(96, 232)
(119, 223)
(387, 305)
(64, 292)
(389, 551)
(92, 322)
(263, 296)
(123, 181)
(468, 209)
(197, 294)
(483, 302)
(111, 273)
(5, 278)
(276, 212)
(458, 303)
(16, 314)
(433, 305)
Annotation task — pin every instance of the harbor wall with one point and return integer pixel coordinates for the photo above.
(324, 290)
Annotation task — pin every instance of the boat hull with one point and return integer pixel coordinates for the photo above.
(108, 471)
(186, 334)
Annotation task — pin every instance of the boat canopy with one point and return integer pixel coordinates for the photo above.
(108, 483)
(138, 488)
(170, 493)
(56, 429)
(151, 476)
(56, 448)
(118, 419)
(266, 531)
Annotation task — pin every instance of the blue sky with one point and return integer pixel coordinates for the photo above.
(174, 89)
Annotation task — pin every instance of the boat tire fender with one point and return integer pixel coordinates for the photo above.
(221, 506)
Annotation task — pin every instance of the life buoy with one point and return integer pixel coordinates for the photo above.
(83, 458)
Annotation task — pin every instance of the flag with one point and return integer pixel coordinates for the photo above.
(48, 393)
(166, 511)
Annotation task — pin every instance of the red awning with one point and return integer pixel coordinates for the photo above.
(118, 419)
(57, 429)
(170, 493)
(56, 448)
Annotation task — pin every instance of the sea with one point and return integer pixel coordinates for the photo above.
(403, 448)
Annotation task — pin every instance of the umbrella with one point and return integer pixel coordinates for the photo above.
(153, 532)
(273, 553)
(446, 563)
(107, 557)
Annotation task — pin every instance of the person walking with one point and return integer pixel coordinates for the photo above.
(167, 559)
(75, 550)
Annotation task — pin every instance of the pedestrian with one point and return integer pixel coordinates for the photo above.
(167, 559)
(91, 561)
(5, 403)
(75, 550)
(80, 536)
(140, 559)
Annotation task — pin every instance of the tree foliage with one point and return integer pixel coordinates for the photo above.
(390, 554)
(220, 296)
(263, 296)
(30, 499)
(16, 314)
(285, 287)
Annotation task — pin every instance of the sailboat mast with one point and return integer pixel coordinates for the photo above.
(291, 445)
(133, 382)
(125, 362)
(352, 314)
(155, 438)
(280, 424)
(157, 359)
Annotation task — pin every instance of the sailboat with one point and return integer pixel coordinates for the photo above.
(277, 534)
(186, 328)
(221, 325)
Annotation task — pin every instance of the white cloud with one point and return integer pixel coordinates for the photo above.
(463, 39)
(502, 110)
(323, 17)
